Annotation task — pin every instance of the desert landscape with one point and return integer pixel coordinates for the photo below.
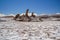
(29, 19)
(45, 27)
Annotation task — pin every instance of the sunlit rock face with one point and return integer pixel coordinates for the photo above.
(16, 30)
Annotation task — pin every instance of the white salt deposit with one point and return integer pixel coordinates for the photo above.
(15, 30)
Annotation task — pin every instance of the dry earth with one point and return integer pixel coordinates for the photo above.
(15, 30)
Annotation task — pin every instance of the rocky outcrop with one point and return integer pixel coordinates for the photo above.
(27, 13)
(27, 18)
(32, 15)
(16, 16)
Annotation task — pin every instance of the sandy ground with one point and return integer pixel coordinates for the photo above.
(15, 30)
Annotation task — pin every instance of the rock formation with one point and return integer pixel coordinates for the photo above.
(16, 16)
(32, 15)
(23, 15)
(26, 18)
(27, 12)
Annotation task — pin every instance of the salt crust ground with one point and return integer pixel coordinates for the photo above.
(15, 30)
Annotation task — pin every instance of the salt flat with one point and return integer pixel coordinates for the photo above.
(15, 30)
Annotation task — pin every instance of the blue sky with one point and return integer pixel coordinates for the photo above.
(37, 6)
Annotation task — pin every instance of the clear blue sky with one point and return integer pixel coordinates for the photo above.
(38, 6)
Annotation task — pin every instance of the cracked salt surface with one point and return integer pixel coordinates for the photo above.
(15, 30)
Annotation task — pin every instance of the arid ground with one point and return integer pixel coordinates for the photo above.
(15, 30)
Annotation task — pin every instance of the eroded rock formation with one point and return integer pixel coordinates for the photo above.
(26, 18)
(32, 15)
(27, 12)
(16, 16)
